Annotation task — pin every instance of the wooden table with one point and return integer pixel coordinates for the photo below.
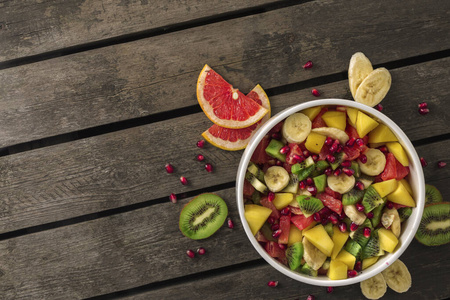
(97, 96)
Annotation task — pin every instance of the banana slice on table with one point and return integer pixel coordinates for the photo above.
(391, 218)
(341, 184)
(374, 287)
(376, 161)
(334, 133)
(296, 128)
(374, 87)
(313, 256)
(356, 216)
(397, 277)
(276, 178)
(360, 67)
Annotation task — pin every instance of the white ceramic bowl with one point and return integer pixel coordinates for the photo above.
(409, 227)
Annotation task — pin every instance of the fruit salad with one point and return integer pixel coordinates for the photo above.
(326, 191)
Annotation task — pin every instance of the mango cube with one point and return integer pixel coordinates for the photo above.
(401, 196)
(382, 134)
(320, 239)
(295, 235)
(364, 124)
(282, 200)
(369, 261)
(406, 185)
(338, 270)
(256, 215)
(336, 119)
(312, 112)
(388, 241)
(384, 188)
(339, 238)
(347, 259)
(352, 114)
(314, 142)
(399, 153)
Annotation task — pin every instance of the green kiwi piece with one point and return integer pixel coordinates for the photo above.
(338, 161)
(304, 173)
(320, 182)
(329, 229)
(292, 186)
(352, 197)
(434, 228)
(355, 167)
(203, 216)
(258, 185)
(273, 149)
(267, 232)
(373, 247)
(256, 197)
(377, 213)
(358, 234)
(432, 194)
(306, 269)
(259, 174)
(371, 199)
(320, 167)
(294, 255)
(353, 248)
(309, 205)
(404, 213)
(366, 180)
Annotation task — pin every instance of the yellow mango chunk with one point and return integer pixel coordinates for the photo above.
(256, 215)
(320, 239)
(336, 119)
(384, 188)
(365, 124)
(314, 142)
(347, 259)
(382, 134)
(399, 153)
(282, 200)
(338, 270)
(295, 235)
(406, 185)
(388, 240)
(401, 196)
(339, 238)
(368, 262)
(352, 114)
(312, 112)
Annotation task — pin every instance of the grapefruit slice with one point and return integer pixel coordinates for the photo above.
(225, 105)
(237, 139)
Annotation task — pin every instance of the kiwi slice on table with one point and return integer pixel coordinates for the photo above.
(432, 194)
(352, 197)
(309, 205)
(434, 228)
(404, 213)
(203, 216)
(371, 199)
(294, 255)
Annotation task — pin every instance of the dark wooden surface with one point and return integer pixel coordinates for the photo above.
(97, 96)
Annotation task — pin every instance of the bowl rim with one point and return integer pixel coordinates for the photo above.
(418, 189)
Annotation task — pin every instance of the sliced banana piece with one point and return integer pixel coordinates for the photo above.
(296, 128)
(356, 216)
(341, 184)
(374, 287)
(376, 161)
(374, 87)
(313, 256)
(391, 218)
(334, 133)
(397, 277)
(360, 67)
(276, 178)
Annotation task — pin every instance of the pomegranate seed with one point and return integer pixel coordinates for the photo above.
(359, 207)
(270, 196)
(275, 227)
(330, 289)
(343, 227)
(328, 171)
(230, 223)
(310, 297)
(272, 283)
(358, 266)
(317, 217)
(346, 163)
(271, 220)
(351, 273)
(348, 172)
(367, 232)
(331, 159)
(209, 167)
(441, 164)
(329, 141)
(276, 234)
(423, 105)
(285, 211)
(359, 185)
(200, 157)
(342, 216)
(315, 92)
(339, 149)
(390, 205)
(190, 253)
(306, 153)
(298, 158)
(423, 111)
(201, 143)
(276, 136)
(302, 185)
(423, 162)
(370, 214)
(334, 219)
(169, 168)
(201, 251)
(337, 172)
(379, 107)
(279, 163)
(312, 190)
(353, 227)
(315, 157)
(183, 180)
(282, 246)
(308, 65)
(333, 148)
(309, 181)
(173, 198)
(284, 150)
(383, 149)
(362, 158)
(351, 142)
(359, 142)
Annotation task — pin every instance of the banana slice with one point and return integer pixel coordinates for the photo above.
(391, 218)
(356, 216)
(397, 277)
(276, 178)
(376, 161)
(341, 184)
(313, 256)
(296, 128)
(374, 287)
(334, 133)
(360, 67)
(374, 87)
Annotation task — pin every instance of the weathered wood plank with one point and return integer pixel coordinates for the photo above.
(159, 74)
(33, 27)
(121, 168)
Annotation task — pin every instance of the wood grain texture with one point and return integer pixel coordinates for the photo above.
(159, 74)
(33, 27)
(121, 168)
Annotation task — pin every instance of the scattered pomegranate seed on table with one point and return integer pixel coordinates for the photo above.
(310, 297)
(201, 143)
(173, 198)
(330, 289)
(230, 223)
(315, 92)
(169, 168)
(190, 253)
(183, 180)
(308, 65)
(423, 162)
(201, 251)
(209, 167)
(441, 164)
(423, 111)
(379, 107)
(272, 283)
(200, 157)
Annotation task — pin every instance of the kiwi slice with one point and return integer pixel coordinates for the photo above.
(256, 197)
(320, 167)
(434, 228)
(320, 182)
(338, 161)
(377, 213)
(358, 234)
(259, 174)
(273, 149)
(373, 247)
(292, 186)
(258, 185)
(352, 197)
(304, 173)
(371, 199)
(353, 248)
(355, 167)
(203, 216)
(432, 194)
(308, 270)
(294, 255)
(296, 168)
(404, 213)
(309, 205)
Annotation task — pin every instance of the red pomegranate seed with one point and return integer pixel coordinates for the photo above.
(441, 164)
(276, 234)
(359, 142)
(328, 171)
(339, 149)
(230, 223)
(330, 289)
(272, 283)
(390, 205)
(346, 163)
(351, 273)
(423, 162)
(370, 214)
(423, 111)
(383, 149)
(306, 153)
(276, 136)
(209, 167)
(359, 207)
(285, 211)
(350, 142)
(173, 198)
(353, 227)
(367, 232)
(282, 246)
(310, 297)
(279, 163)
(201, 251)
(379, 107)
(317, 217)
(201, 143)
(315, 157)
(343, 227)
(302, 185)
(348, 172)
(309, 181)
(337, 172)
(190, 253)
(271, 220)
(200, 157)
(423, 105)
(359, 185)
(358, 266)
(169, 168)
(312, 190)
(334, 148)
(329, 141)
(270, 196)
(334, 219)
(183, 180)
(315, 92)
(298, 158)
(275, 227)
(308, 65)
(284, 150)
(331, 159)
(362, 158)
